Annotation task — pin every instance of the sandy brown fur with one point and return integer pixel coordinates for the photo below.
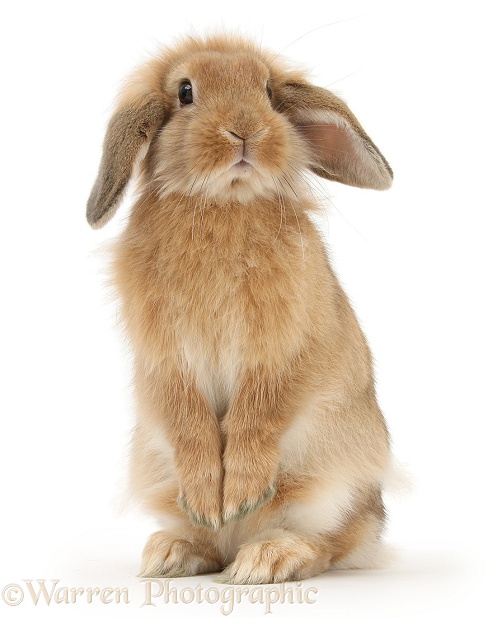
(258, 433)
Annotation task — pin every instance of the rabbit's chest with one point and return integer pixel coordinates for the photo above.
(233, 279)
(230, 311)
(243, 303)
(219, 294)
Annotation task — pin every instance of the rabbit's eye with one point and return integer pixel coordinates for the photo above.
(269, 91)
(185, 93)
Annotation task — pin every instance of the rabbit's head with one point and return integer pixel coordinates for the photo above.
(221, 119)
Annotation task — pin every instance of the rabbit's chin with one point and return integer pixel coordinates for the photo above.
(241, 183)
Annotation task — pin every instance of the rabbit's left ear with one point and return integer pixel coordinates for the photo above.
(341, 149)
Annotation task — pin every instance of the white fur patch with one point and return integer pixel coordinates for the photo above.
(294, 443)
(370, 555)
(217, 381)
(324, 511)
(303, 445)
(398, 482)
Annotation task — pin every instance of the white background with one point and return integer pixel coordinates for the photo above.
(418, 263)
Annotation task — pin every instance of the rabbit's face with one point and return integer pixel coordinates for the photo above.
(223, 139)
(221, 121)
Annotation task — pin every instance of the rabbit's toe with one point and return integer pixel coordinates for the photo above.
(166, 555)
(201, 514)
(202, 507)
(270, 561)
(240, 504)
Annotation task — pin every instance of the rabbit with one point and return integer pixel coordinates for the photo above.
(259, 445)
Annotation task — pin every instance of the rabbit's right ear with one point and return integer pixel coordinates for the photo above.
(131, 127)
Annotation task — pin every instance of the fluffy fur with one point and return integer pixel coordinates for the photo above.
(258, 436)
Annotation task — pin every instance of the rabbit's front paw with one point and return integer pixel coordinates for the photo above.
(202, 505)
(244, 493)
(201, 497)
(200, 511)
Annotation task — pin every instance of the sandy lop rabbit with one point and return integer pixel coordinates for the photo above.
(259, 445)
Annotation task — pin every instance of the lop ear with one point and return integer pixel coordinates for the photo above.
(341, 149)
(131, 127)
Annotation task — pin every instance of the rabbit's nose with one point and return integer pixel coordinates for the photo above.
(243, 124)
(238, 136)
(245, 135)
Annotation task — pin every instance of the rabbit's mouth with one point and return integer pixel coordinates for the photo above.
(242, 165)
